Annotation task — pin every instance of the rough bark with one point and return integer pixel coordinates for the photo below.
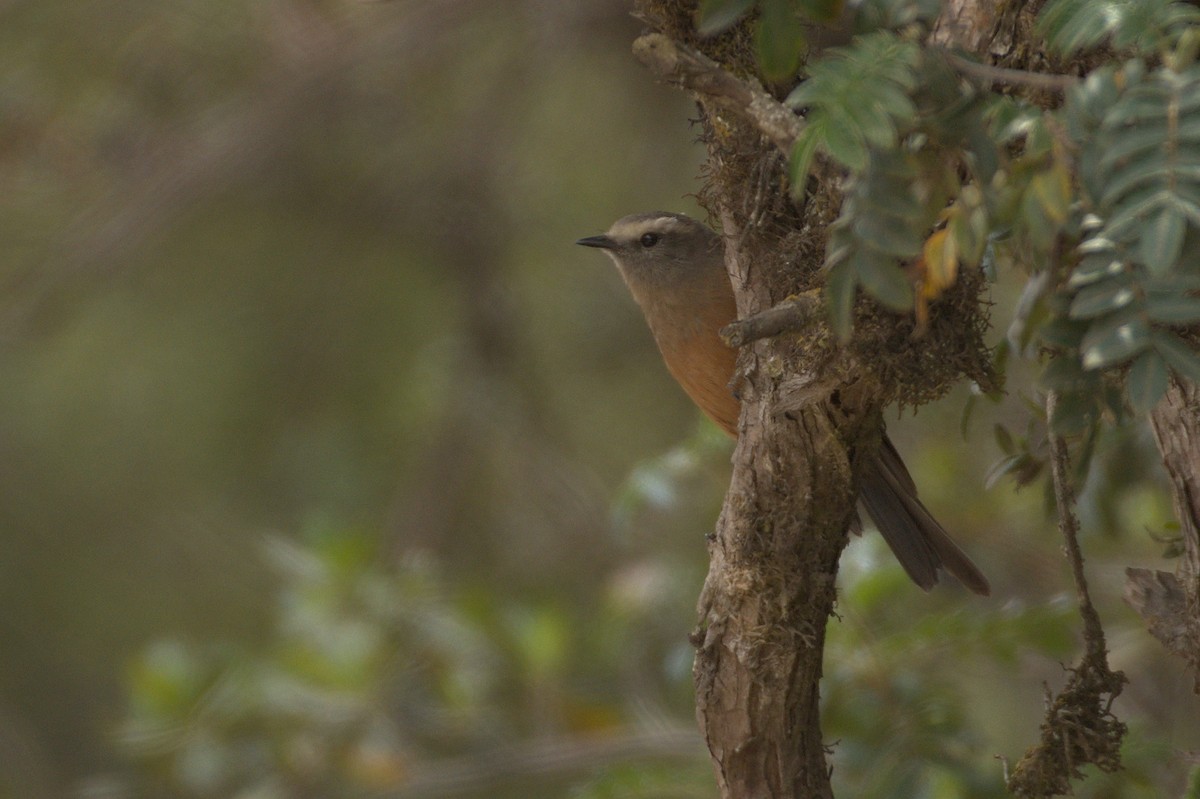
(771, 582)
(1170, 603)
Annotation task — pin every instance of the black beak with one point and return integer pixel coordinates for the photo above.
(603, 242)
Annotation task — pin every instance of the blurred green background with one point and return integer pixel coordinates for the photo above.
(330, 467)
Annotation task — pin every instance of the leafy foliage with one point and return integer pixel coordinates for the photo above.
(375, 671)
(1147, 25)
(312, 712)
(779, 39)
(879, 73)
(779, 30)
(1099, 199)
(877, 227)
(1137, 131)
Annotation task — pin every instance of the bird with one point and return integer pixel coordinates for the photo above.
(674, 266)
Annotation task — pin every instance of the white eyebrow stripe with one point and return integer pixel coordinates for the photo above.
(634, 229)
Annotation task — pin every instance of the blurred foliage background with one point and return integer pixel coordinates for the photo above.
(332, 468)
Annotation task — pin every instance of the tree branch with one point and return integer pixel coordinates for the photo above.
(681, 66)
(1079, 728)
(794, 313)
(988, 75)
(1068, 526)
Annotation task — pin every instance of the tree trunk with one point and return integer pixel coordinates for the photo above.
(1170, 603)
(771, 583)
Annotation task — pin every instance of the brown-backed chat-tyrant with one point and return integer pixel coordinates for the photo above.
(675, 269)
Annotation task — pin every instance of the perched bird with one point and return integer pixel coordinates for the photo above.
(675, 268)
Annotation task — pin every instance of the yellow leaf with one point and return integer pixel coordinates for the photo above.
(941, 264)
(1052, 188)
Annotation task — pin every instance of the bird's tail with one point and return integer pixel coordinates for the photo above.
(918, 541)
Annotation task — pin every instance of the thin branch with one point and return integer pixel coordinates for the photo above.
(794, 313)
(1079, 727)
(681, 66)
(1068, 525)
(988, 74)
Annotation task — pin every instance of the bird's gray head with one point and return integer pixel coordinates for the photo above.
(659, 247)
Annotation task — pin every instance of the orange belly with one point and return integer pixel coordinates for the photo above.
(703, 366)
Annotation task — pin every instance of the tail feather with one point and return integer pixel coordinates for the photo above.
(918, 541)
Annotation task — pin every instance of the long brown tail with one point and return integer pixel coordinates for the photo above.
(918, 541)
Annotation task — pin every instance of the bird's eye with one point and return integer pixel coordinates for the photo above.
(649, 239)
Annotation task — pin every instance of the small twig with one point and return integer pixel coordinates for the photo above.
(794, 313)
(989, 74)
(1068, 525)
(680, 65)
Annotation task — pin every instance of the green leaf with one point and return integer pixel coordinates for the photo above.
(1129, 215)
(1146, 382)
(884, 280)
(844, 141)
(779, 39)
(1063, 333)
(860, 94)
(840, 288)
(983, 151)
(1004, 439)
(803, 152)
(1074, 414)
(714, 16)
(1030, 313)
(1102, 298)
(1094, 268)
(1064, 373)
(1178, 354)
(888, 235)
(1067, 28)
(1143, 17)
(1071, 25)
(1172, 308)
(1008, 465)
(1162, 241)
(1131, 142)
(1149, 168)
(1010, 120)
(1142, 101)
(1115, 340)
(822, 10)
(875, 120)
(1052, 190)
(1090, 100)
